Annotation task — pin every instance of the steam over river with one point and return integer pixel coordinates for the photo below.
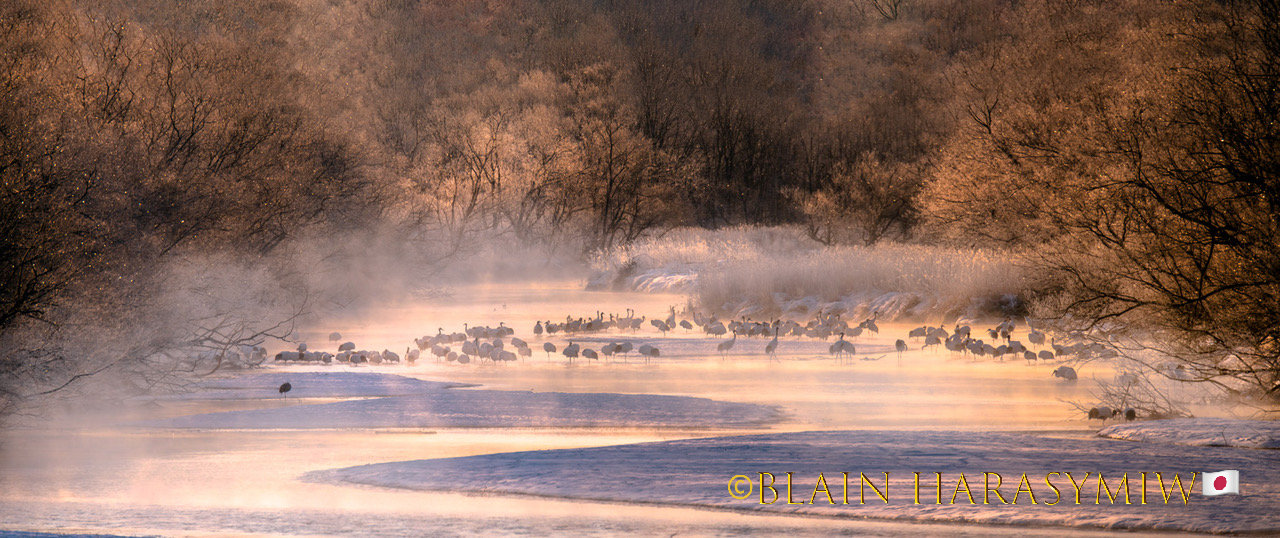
(98, 476)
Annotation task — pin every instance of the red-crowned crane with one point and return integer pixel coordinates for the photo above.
(772, 347)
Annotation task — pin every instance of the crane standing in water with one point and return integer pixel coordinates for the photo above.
(772, 347)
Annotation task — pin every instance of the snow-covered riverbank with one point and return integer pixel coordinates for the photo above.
(697, 473)
(1200, 432)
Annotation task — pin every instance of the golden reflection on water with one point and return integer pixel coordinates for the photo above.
(922, 390)
(162, 473)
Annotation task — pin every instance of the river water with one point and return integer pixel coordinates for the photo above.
(91, 476)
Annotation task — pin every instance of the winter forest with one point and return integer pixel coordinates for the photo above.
(1123, 153)
(190, 187)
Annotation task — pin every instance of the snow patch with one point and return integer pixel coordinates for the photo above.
(673, 278)
(1200, 432)
(696, 472)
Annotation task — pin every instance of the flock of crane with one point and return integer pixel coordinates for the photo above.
(500, 345)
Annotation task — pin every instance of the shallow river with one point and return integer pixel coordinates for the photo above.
(100, 478)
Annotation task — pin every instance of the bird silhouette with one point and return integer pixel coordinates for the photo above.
(725, 346)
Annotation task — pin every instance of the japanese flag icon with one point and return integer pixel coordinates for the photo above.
(1222, 483)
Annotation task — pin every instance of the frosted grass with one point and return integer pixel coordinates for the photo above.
(777, 270)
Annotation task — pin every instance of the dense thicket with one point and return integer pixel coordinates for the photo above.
(1145, 175)
(601, 120)
(130, 138)
(1127, 144)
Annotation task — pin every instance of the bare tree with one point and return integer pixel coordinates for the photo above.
(1183, 234)
(887, 8)
(631, 185)
(866, 202)
(127, 143)
(1150, 199)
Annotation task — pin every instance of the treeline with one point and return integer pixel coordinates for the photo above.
(132, 136)
(1129, 146)
(603, 120)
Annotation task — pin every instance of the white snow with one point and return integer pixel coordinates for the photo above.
(310, 385)
(1200, 432)
(674, 278)
(491, 408)
(696, 472)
